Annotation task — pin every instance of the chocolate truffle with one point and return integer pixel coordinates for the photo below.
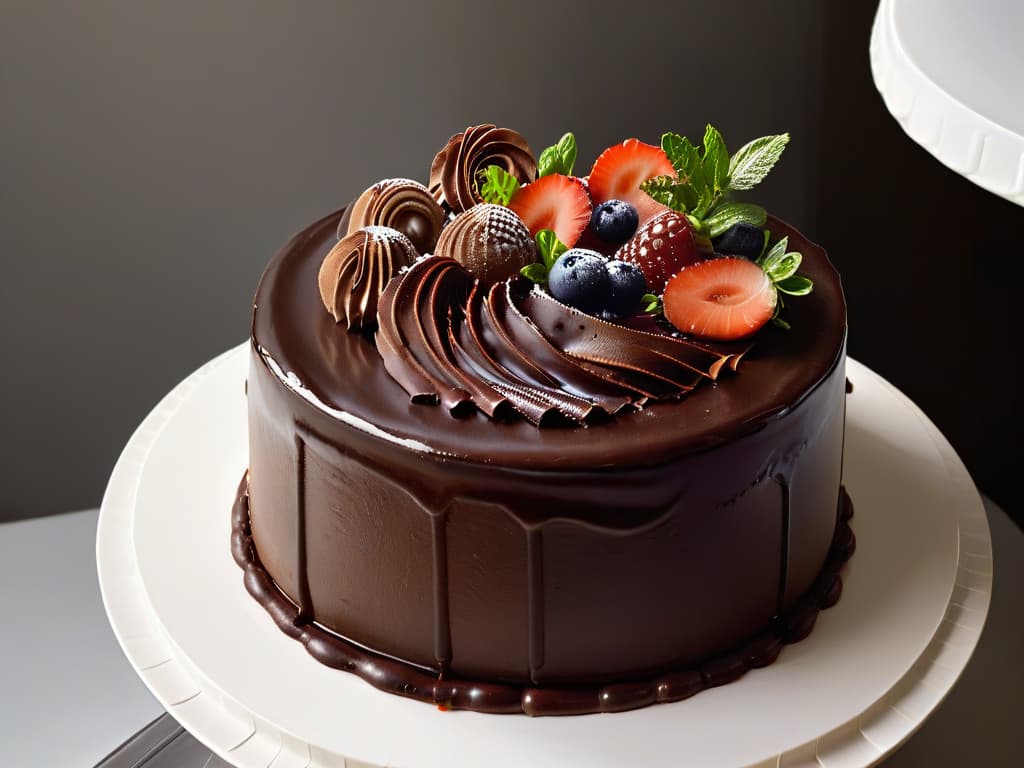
(490, 241)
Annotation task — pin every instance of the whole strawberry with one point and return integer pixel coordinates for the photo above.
(661, 248)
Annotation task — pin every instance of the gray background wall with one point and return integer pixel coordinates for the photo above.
(154, 155)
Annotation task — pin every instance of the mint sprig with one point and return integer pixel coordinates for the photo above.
(706, 176)
(549, 247)
(559, 158)
(535, 273)
(781, 265)
(497, 185)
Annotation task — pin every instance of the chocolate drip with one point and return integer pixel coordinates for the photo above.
(783, 482)
(535, 599)
(305, 606)
(442, 624)
(394, 676)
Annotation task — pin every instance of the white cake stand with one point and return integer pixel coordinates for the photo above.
(950, 73)
(916, 596)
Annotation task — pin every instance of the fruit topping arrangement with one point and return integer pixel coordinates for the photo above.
(649, 253)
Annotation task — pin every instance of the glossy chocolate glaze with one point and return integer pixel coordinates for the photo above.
(394, 676)
(541, 559)
(340, 371)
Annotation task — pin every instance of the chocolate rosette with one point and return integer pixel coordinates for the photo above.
(455, 171)
(354, 272)
(512, 348)
(401, 204)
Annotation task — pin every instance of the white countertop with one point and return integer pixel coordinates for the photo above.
(68, 696)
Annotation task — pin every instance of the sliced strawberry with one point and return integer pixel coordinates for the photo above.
(722, 299)
(620, 170)
(661, 247)
(554, 202)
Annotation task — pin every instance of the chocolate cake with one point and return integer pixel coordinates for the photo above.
(469, 491)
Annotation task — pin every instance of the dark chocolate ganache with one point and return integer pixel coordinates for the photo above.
(343, 372)
(564, 569)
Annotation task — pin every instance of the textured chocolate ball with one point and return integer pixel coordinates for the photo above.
(490, 241)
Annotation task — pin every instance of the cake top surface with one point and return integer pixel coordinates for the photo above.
(467, 318)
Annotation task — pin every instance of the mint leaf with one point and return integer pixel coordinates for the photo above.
(651, 304)
(783, 267)
(777, 314)
(535, 273)
(795, 285)
(726, 215)
(686, 160)
(780, 266)
(715, 160)
(754, 160)
(559, 158)
(777, 251)
(550, 247)
(498, 185)
(706, 198)
(668, 191)
(676, 147)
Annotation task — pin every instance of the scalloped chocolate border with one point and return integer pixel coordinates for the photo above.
(397, 677)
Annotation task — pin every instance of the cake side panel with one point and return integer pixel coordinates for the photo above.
(345, 544)
(489, 589)
(630, 605)
(370, 558)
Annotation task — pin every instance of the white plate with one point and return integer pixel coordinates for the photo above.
(872, 670)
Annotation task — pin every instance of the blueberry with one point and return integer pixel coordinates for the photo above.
(580, 280)
(740, 240)
(628, 287)
(614, 221)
